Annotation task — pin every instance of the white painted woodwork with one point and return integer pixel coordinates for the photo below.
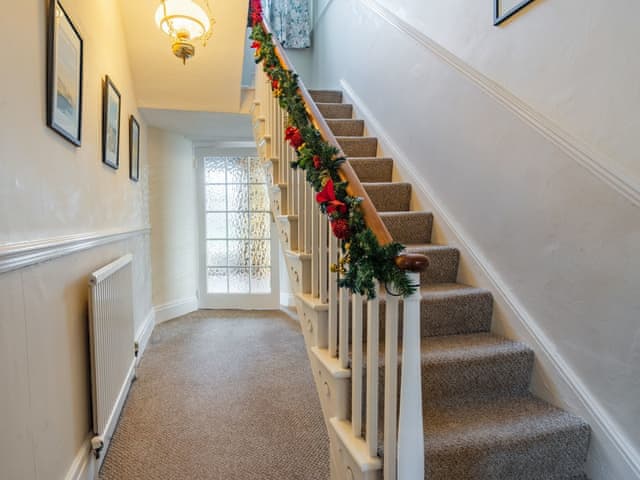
(410, 427)
(343, 345)
(333, 296)
(373, 333)
(356, 364)
(390, 387)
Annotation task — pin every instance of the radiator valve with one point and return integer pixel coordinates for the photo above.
(97, 443)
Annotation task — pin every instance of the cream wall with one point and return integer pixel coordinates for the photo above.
(50, 190)
(174, 247)
(521, 140)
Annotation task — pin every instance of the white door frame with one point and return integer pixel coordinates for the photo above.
(246, 301)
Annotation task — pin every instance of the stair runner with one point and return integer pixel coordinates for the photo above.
(480, 420)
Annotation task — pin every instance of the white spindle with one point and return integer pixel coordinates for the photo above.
(333, 296)
(373, 329)
(390, 387)
(315, 248)
(309, 215)
(356, 365)
(410, 428)
(324, 258)
(343, 344)
(300, 198)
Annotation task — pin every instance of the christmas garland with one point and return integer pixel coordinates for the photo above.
(363, 258)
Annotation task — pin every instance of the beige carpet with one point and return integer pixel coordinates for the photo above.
(222, 395)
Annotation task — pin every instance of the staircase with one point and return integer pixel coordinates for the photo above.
(479, 419)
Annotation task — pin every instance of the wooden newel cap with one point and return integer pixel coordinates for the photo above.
(413, 262)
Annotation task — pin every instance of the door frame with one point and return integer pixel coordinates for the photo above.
(242, 301)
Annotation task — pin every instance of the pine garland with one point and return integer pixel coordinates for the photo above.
(363, 258)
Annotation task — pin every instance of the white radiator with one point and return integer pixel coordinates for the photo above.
(112, 346)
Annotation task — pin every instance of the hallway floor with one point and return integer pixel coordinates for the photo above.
(222, 395)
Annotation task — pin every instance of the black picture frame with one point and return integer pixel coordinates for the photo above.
(499, 16)
(134, 149)
(65, 56)
(111, 103)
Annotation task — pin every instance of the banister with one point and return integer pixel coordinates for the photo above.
(346, 171)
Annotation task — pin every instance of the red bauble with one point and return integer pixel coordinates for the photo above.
(275, 84)
(340, 228)
(317, 162)
(256, 44)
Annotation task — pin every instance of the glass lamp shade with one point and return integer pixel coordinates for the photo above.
(182, 19)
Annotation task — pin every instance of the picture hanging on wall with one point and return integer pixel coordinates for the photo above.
(503, 9)
(64, 74)
(110, 124)
(134, 149)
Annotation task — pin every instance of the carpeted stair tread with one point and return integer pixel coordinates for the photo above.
(513, 438)
(372, 169)
(335, 110)
(389, 196)
(408, 227)
(454, 308)
(342, 127)
(443, 262)
(480, 365)
(326, 96)
(358, 146)
(519, 438)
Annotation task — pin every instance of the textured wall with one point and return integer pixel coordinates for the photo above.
(559, 241)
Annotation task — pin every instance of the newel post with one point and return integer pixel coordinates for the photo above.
(410, 426)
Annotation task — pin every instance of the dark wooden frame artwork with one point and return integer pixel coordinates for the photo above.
(51, 81)
(106, 86)
(498, 18)
(134, 136)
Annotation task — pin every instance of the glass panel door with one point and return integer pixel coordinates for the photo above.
(236, 240)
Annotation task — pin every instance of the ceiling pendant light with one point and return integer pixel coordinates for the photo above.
(185, 22)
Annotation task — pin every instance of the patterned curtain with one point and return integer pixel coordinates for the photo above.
(290, 22)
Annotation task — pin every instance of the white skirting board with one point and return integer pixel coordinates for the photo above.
(611, 455)
(287, 300)
(175, 309)
(144, 333)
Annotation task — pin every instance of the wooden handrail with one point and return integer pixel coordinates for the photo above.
(346, 171)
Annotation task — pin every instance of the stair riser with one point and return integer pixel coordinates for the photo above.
(358, 146)
(346, 128)
(391, 197)
(326, 96)
(443, 267)
(407, 228)
(560, 455)
(373, 169)
(335, 110)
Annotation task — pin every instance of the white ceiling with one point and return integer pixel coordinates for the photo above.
(202, 127)
(211, 81)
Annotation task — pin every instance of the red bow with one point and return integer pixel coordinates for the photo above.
(328, 197)
(293, 136)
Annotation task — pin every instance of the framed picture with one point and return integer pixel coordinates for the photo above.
(110, 124)
(134, 149)
(64, 74)
(503, 9)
